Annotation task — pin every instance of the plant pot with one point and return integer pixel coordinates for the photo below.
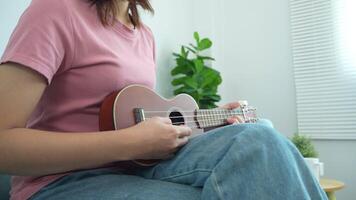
(315, 166)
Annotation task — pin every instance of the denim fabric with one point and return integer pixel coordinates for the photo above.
(244, 161)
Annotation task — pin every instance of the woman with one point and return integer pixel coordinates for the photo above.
(62, 60)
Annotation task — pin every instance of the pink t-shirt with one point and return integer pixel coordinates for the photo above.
(83, 62)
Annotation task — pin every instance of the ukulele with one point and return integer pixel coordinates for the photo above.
(137, 103)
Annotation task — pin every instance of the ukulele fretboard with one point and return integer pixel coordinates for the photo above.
(206, 118)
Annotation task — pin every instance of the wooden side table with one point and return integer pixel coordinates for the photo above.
(330, 186)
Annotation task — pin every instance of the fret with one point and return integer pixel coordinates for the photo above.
(216, 117)
(222, 116)
(201, 118)
(236, 112)
(206, 118)
(210, 118)
(228, 114)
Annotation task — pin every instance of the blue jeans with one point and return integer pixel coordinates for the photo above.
(245, 161)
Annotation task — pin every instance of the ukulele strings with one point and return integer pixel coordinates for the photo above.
(211, 110)
(209, 122)
(202, 115)
(205, 121)
(206, 126)
(216, 117)
(194, 122)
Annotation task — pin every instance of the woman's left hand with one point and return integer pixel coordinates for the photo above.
(234, 119)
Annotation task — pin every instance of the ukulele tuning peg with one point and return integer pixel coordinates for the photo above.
(243, 103)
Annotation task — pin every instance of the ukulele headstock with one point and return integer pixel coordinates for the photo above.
(249, 113)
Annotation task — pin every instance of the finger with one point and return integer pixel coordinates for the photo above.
(231, 120)
(182, 141)
(234, 120)
(165, 120)
(231, 106)
(240, 119)
(184, 131)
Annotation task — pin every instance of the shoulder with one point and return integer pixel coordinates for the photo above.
(46, 8)
(146, 30)
(49, 11)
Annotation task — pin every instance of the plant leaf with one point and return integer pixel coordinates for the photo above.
(184, 90)
(214, 97)
(205, 44)
(186, 81)
(181, 70)
(197, 37)
(205, 58)
(304, 145)
(176, 55)
(199, 65)
(211, 77)
(190, 49)
(194, 47)
(199, 80)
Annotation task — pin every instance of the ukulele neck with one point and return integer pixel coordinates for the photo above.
(206, 118)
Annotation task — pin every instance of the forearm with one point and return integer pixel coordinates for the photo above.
(30, 152)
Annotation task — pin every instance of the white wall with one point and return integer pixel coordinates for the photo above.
(9, 14)
(252, 48)
(172, 25)
(255, 58)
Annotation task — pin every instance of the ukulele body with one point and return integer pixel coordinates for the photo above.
(118, 111)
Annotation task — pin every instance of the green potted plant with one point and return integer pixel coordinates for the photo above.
(193, 76)
(304, 145)
(308, 151)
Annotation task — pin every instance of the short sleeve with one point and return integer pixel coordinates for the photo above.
(152, 42)
(42, 39)
(154, 50)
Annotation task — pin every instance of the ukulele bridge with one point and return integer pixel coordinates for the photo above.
(139, 115)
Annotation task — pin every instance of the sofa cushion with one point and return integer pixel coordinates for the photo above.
(4, 186)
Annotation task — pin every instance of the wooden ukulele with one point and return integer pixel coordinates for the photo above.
(136, 103)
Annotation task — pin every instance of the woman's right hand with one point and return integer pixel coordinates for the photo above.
(157, 138)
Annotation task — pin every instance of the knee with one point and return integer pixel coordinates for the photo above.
(266, 133)
(260, 133)
(265, 122)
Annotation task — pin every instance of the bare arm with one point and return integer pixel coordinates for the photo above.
(29, 152)
(32, 152)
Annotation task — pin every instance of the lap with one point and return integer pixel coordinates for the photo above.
(195, 161)
(111, 184)
(171, 179)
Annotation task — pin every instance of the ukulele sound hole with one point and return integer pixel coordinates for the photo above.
(176, 118)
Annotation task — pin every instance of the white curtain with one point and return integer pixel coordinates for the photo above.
(324, 58)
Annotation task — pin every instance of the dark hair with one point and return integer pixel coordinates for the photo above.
(108, 10)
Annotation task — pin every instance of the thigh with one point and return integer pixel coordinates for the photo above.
(194, 163)
(107, 184)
